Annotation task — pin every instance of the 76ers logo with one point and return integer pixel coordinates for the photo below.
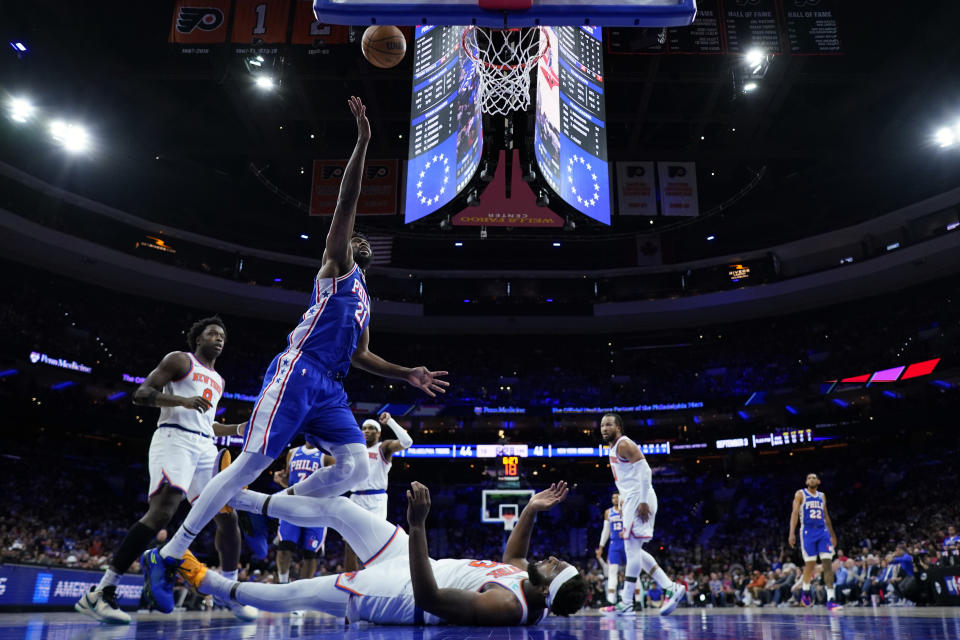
(204, 18)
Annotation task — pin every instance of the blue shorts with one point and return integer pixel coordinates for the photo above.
(310, 539)
(300, 395)
(617, 555)
(815, 543)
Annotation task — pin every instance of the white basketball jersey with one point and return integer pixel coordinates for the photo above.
(628, 476)
(379, 468)
(199, 381)
(384, 592)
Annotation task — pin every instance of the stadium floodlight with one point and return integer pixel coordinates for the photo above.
(750, 86)
(19, 47)
(72, 137)
(21, 110)
(754, 59)
(264, 82)
(946, 137)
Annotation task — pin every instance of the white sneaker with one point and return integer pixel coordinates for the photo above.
(677, 592)
(244, 612)
(101, 605)
(297, 614)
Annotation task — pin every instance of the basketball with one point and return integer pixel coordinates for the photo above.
(384, 46)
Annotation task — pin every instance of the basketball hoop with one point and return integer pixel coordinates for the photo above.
(509, 520)
(503, 60)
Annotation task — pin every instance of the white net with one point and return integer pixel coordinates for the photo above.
(504, 58)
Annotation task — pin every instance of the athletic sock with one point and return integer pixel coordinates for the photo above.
(110, 579)
(136, 541)
(216, 585)
(230, 575)
(805, 587)
(283, 578)
(629, 589)
(661, 578)
(831, 594)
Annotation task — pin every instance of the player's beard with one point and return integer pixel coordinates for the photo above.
(362, 259)
(536, 577)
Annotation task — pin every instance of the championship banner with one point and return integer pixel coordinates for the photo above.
(678, 188)
(636, 189)
(498, 210)
(260, 21)
(196, 22)
(310, 31)
(378, 189)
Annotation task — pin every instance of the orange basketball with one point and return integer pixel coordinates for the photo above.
(384, 46)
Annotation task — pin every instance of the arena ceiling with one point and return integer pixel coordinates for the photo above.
(838, 138)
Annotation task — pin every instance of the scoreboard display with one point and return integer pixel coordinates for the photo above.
(446, 124)
(570, 136)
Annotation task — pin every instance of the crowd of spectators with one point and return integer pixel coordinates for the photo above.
(721, 534)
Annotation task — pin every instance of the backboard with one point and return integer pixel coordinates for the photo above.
(508, 13)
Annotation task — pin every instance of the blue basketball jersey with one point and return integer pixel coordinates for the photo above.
(812, 510)
(339, 312)
(616, 526)
(303, 462)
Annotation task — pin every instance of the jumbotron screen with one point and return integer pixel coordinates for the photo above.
(570, 137)
(446, 124)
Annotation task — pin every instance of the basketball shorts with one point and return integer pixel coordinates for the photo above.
(815, 543)
(374, 503)
(299, 395)
(631, 520)
(309, 538)
(184, 460)
(617, 555)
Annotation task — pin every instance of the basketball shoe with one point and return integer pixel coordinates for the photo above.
(101, 605)
(193, 571)
(674, 595)
(159, 573)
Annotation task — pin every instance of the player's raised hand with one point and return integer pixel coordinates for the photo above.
(384, 418)
(359, 111)
(548, 498)
(418, 503)
(428, 381)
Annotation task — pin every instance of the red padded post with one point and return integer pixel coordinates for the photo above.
(505, 5)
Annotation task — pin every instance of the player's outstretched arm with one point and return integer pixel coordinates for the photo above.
(420, 377)
(518, 544)
(174, 366)
(456, 606)
(221, 429)
(403, 441)
(341, 227)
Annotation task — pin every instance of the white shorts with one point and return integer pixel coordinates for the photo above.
(374, 503)
(185, 461)
(632, 521)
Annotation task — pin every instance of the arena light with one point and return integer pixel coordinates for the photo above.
(21, 110)
(72, 137)
(556, 244)
(754, 59)
(711, 238)
(750, 87)
(18, 46)
(945, 137)
(264, 82)
(304, 236)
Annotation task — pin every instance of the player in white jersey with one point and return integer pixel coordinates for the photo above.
(371, 494)
(182, 459)
(638, 503)
(401, 584)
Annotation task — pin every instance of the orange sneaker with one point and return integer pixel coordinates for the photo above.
(192, 570)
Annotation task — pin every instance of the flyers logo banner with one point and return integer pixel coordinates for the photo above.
(199, 22)
(378, 189)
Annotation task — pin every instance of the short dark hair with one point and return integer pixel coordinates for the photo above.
(359, 234)
(616, 418)
(571, 596)
(197, 328)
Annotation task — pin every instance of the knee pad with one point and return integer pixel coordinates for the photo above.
(287, 545)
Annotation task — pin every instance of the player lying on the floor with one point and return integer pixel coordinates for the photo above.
(400, 583)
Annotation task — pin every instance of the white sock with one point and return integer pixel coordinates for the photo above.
(283, 578)
(110, 578)
(661, 577)
(216, 585)
(629, 589)
(831, 594)
(319, 594)
(230, 575)
(221, 488)
(805, 586)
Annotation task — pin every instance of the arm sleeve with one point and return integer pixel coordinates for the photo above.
(646, 477)
(605, 534)
(402, 436)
